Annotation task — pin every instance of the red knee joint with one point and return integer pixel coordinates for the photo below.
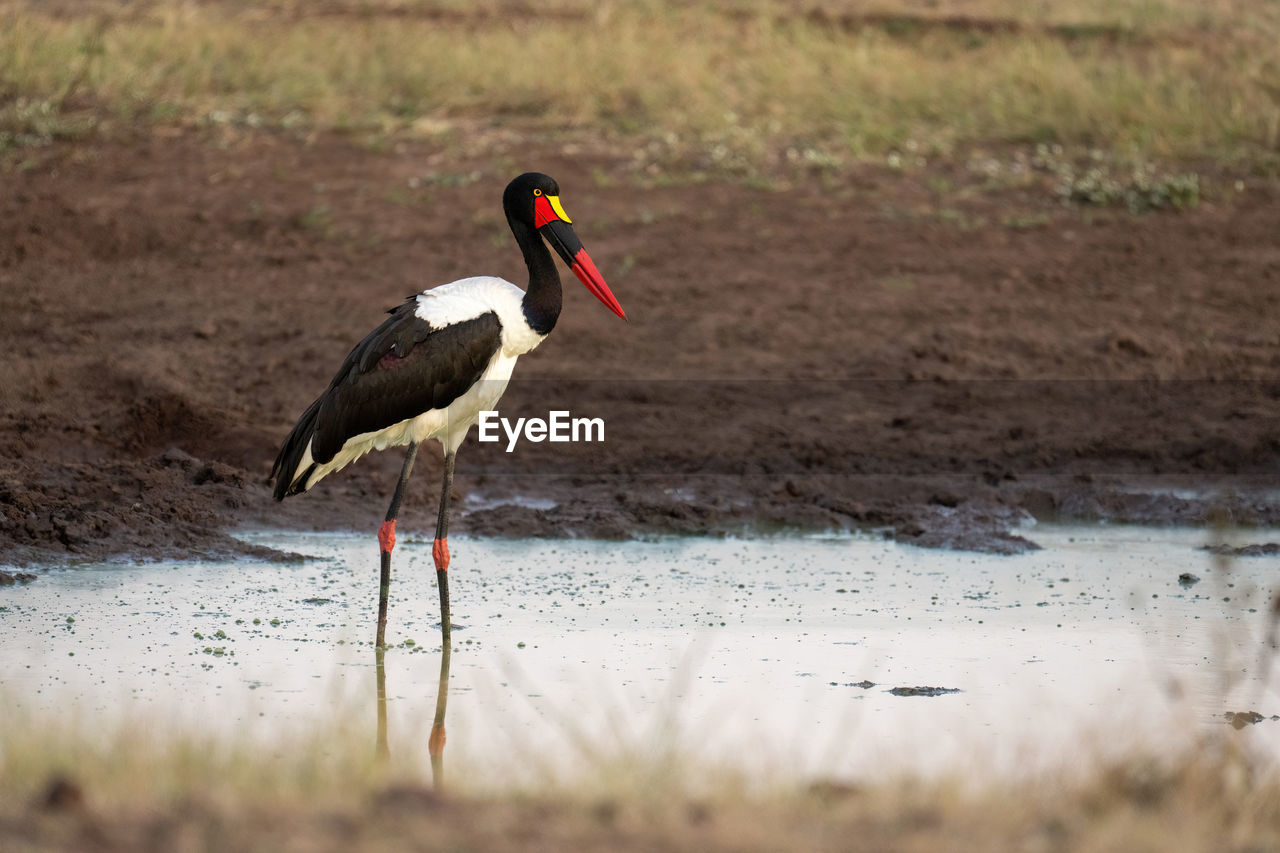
(440, 550)
(387, 536)
(435, 744)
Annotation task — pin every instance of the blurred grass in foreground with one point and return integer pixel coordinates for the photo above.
(143, 791)
(731, 85)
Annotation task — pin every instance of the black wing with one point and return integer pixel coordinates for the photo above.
(400, 370)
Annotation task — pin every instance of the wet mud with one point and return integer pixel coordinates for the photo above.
(1268, 549)
(823, 354)
(923, 691)
(1239, 719)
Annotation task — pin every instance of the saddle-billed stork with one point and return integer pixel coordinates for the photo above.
(440, 359)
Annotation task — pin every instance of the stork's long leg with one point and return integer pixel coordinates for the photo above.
(440, 548)
(387, 541)
(440, 551)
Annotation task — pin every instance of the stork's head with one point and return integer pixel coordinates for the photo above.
(534, 199)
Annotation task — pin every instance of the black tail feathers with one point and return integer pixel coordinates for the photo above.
(290, 481)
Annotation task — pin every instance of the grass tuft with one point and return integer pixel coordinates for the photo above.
(731, 87)
(66, 788)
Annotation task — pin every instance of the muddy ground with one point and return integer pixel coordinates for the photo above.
(921, 352)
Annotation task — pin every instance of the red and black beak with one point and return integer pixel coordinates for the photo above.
(552, 222)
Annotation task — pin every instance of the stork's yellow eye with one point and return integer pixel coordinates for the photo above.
(537, 192)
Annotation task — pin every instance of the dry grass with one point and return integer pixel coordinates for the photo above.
(137, 792)
(732, 84)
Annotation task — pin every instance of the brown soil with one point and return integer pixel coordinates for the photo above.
(859, 351)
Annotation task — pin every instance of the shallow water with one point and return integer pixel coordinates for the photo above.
(752, 653)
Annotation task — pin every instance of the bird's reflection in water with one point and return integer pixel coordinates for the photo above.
(380, 750)
(435, 742)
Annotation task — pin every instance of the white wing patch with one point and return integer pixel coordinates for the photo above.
(468, 298)
(459, 301)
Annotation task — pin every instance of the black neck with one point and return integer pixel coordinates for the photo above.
(542, 298)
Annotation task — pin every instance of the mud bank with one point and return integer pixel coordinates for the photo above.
(170, 307)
